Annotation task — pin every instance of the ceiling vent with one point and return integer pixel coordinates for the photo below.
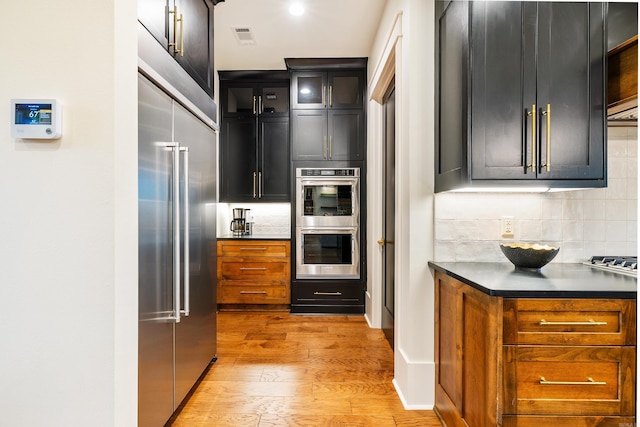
(244, 35)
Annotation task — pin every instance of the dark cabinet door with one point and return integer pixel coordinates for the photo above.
(345, 89)
(346, 134)
(308, 90)
(538, 91)
(154, 15)
(309, 134)
(238, 174)
(273, 169)
(185, 29)
(498, 104)
(327, 89)
(571, 90)
(195, 40)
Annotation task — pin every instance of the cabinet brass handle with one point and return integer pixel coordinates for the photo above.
(324, 147)
(254, 292)
(253, 249)
(260, 185)
(253, 269)
(181, 50)
(331, 146)
(324, 97)
(381, 242)
(254, 185)
(589, 322)
(177, 49)
(331, 96)
(328, 293)
(254, 106)
(590, 381)
(547, 113)
(533, 114)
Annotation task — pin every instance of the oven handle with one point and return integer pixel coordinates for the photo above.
(324, 230)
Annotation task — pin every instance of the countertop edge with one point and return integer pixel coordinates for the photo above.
(529, 293)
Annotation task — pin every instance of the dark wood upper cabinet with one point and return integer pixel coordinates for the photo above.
(185, 29)
(521, 95)
(254, 137)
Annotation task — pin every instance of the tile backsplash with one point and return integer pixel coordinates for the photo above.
(268, 218)
(582, 223)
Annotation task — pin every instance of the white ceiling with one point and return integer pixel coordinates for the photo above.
(329, 28)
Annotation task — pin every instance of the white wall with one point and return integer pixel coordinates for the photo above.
(68, 245)
(582, 223)
(414, 68)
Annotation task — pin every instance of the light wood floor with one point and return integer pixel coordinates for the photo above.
(281, 370)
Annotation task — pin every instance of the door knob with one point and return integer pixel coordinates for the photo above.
(381, 242)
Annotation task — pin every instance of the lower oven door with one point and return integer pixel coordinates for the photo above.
(325, 253)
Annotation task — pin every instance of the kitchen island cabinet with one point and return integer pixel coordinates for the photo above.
(520, 348)
(253, 272)
(521, 97)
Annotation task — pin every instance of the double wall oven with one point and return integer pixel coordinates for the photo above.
(327, 216)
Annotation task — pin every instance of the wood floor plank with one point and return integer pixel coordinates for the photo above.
(279, 370)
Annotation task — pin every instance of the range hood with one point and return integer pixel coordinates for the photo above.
(622, 84)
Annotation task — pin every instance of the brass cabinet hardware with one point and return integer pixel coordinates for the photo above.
(254, 106)
(260, 185)
(381, 242)
(254, 185)
(253, 292)
(547, 113)
(253, 269)
(175, 25)
(590, 322)
(253, 249)
(328, 293)
(324, 147)
(331, 96)
(324, 97)
(533, 113)
(590, 381)
(330, 146)
(260, 106)
(181, 50)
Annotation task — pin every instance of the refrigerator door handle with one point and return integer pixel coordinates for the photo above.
(176, 232)
(186, 259)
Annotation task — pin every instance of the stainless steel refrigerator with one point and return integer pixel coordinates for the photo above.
(177, 210)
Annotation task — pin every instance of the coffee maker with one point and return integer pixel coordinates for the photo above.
(238, 223)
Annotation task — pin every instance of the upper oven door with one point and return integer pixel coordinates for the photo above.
(327, 201)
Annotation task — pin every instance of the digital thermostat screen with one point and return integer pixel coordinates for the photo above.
(33, 114)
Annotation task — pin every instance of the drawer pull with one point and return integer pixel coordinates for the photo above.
(253, 269)
(253, 292)
(590, 381)
(253, 249)
(328, 293)
(590, 322)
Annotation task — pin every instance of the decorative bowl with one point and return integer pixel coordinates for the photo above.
(529, 255)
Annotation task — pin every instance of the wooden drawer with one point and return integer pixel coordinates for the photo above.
(254, 293)
(237, 269)
(560, 421)
(569, 380)
(336, 293)
(246, 248)
(570, 321)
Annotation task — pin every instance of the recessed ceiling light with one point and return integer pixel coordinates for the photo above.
(296, 9)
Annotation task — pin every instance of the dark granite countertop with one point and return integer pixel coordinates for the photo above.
(555, 280)
(255, 237)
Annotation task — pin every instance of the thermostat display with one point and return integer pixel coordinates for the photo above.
(35, 119)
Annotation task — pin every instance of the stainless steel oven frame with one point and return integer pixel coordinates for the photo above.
(327, 177)
(328, 271)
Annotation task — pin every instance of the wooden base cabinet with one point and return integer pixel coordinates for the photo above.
(534, 361)
(254, 272)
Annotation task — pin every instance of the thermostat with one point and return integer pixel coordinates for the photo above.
(36, 119)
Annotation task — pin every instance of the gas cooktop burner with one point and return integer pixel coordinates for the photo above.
(619, 264)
